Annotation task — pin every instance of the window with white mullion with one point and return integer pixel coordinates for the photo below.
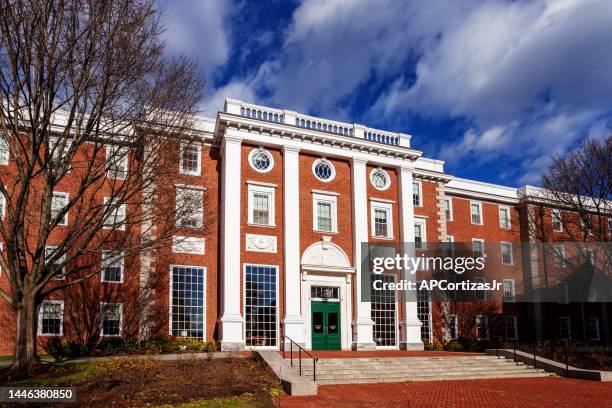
(482, 327)
(50, 256)
(111, 318)
(381, 222)
(51, 318)
(477, 248)
(261, 205)
(261, 306)
(58, 202)
(448, 208)
(417, 194)
(509, 290)
(511, 328)
(383, 313)
(324, 213)
(117, 162)
(324, 216)
(557, 220)
(504, 217)
(187, 301)
(189, 207)
(190, 159)
(476, 212)
(420, 232)
(506, 253)
(112, 266)
(424, 313)
(115, 218)
(4, 151)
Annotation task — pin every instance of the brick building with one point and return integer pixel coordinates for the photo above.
(275, 249)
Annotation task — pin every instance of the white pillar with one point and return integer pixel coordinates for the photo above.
(410, 325)
(294, 319)
(363, 325)
(231, 328)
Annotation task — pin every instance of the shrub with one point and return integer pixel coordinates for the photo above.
(466, 343)
(427, 345)
(116, 345)
(57, 348)
(454, 346)
(160, 342)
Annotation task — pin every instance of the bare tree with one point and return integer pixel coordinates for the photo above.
(90, 106)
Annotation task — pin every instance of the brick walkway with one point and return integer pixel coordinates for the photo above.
(507, 393)
(381, 353)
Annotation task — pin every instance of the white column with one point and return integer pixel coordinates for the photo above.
(363, 325)
(294, 319)
(231, 328)
(410, 325)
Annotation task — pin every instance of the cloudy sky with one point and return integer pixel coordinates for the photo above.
(494, 88)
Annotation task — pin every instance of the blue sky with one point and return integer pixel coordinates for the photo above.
(494, 88)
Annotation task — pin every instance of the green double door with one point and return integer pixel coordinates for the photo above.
(325, 325)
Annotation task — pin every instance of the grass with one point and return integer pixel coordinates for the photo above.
(84, 370)
(233, 402)
(6, 358)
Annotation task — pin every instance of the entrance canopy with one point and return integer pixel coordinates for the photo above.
(326, 256)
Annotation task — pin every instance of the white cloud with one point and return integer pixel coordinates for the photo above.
(235, 90)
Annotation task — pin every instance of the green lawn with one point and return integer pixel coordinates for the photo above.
(84, 370)
(233, 402)
(6, 358)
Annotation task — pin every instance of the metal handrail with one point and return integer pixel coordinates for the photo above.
(300, 349)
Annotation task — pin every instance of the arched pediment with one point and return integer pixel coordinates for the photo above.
(325, 254)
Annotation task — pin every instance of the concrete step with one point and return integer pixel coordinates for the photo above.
(371, 380)
(324, 364)
(348, 371)
(428, 373)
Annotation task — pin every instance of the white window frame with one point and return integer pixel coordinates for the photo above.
(200, 216)
(448, 202)
(562, 293)
(596, 320)
(453, 318)
(270, 191)
(53, 146)
(3, 205)
(114, 152)
(66, 196)
(480, 240)
(244, 306)
(204, 298)
(388, 207)
(182, 169)
(4, 148)
(486, 326)
(331, 166)
(569, 327)
(480, 214)
(508, 244)
(40, 318)
(419, 193)
(111, 222)
(387, 178)
(104, 263)
(103, 305)
(559, 255)
(512, 298)
(556, 214)
(515, 320)
(331, 199)
(61, 259)
(480, 295)
(506, 209)
(422, 222)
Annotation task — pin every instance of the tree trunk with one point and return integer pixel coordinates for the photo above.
(25, 336)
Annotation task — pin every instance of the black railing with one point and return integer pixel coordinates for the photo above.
(532, 348)
(300, 349)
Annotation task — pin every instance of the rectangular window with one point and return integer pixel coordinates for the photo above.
(381, 220)
(4, 151)
(509, 290)
(383, 313)
(190, 159)
(111, 316)
(51, 318)
(58, 202)
(477, 248)
(448, 208)
(504, 217)
(482, 327)
(565, 328)
(476, 212)
(559, 254)
(417, 193)
(260, 306)
(112, 266)
(506, 253)
(115, 218)
(448, 246)
(424, 314)
(325, 213)
(261, 205)
(57, 262)
(324, 292)
(116, 162)
(453, 327)
(2, 206)
(480, 295)
(562, 294)
(189, 207)
(420, 240)
(187, 305)
(57, 151)
(585, 227)
(511, 328)
(557, 221)
(593, 328)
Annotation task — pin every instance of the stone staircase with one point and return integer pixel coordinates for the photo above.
(398, 369)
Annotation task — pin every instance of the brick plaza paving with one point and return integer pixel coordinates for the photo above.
(505, 393)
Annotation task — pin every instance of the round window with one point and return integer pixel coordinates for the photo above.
(323, 170)
(261, 160)
(380, 179)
